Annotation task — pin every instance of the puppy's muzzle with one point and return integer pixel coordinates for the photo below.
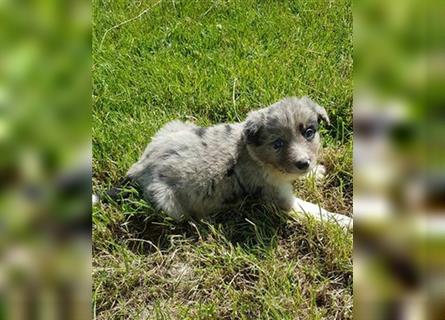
(302, 164)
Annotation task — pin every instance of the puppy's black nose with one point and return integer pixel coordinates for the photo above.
(302, 164)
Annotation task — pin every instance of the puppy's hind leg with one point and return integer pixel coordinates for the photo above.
(321, 214)
(164, 199)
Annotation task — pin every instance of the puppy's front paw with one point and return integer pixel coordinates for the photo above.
(318, 172)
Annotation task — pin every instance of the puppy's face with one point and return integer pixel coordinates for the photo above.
(285, 135)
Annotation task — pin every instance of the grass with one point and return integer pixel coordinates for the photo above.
(213, 61)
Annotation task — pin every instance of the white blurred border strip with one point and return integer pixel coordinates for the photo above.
(435, 225)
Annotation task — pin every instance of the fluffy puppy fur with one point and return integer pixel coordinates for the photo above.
(190, 171)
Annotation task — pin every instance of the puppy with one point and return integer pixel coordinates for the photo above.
(190, 171)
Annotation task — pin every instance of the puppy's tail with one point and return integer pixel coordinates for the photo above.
(122, 190)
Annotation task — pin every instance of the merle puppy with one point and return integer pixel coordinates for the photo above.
(190, 171)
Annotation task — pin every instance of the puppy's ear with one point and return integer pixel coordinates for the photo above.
(253, 128)
(321, 112)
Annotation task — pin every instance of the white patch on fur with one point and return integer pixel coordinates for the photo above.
(318, 172)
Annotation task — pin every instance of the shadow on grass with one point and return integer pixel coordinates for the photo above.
(251, 225)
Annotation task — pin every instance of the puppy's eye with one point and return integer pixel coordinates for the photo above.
(278, 144)
(309, 133)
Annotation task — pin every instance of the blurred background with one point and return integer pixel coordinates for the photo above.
(399, 148)
(45, 179)
(399, 153)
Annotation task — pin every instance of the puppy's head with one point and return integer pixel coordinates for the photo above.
(285, 135)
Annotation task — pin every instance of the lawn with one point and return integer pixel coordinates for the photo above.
(210, 62)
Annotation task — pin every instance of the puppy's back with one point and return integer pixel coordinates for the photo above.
(189, 162)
